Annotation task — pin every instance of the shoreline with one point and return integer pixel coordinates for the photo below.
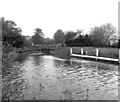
(64, 52)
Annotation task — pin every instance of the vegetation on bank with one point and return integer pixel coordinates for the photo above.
(62, 52)
(8, 57)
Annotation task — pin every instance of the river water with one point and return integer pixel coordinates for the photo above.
(50, 78)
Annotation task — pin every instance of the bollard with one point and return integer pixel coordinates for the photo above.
(97, 53)
(81, 51)
(70, 50)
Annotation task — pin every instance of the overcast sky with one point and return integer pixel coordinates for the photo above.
(51, 15)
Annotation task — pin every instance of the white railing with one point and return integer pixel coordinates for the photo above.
(94, 57)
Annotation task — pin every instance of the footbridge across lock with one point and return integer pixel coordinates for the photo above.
(43, 48)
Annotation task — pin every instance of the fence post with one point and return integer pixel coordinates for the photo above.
(86, 53)
(119, 56)
(81, 51)
(70, 50)
(97, 53)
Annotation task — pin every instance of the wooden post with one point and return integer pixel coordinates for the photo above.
(81, 51)
(119, 56)
(70, 51)
(97, 53)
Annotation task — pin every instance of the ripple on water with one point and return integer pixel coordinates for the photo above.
(48, 77)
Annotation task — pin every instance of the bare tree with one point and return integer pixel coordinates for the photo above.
(100, 35)
(109, 30)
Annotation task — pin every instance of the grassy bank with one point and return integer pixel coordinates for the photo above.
(7, 61)
(103, 52)
(9, 56)
(64, 52)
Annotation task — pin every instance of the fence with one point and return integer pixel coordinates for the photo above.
(96, 57)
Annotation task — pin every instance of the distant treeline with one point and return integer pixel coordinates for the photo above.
(98, 37)
(80, 41)
(103, 36)
(86, 40)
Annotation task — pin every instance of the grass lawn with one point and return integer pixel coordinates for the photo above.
(64, 52)
(103, 52)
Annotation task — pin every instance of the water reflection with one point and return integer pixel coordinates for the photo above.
(51, 78)
(22, 57)
(37, 60)
(65, 63)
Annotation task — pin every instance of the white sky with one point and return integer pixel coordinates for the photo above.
(51, 15)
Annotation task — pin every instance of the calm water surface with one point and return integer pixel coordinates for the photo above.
(51, 78)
